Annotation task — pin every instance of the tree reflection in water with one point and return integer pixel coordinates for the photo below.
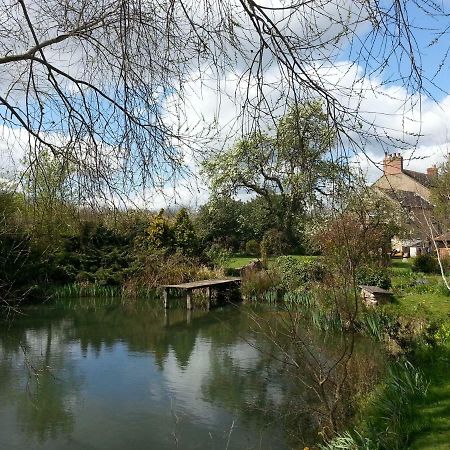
(112, 374)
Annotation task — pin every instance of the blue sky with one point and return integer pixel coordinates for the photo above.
(381, 101)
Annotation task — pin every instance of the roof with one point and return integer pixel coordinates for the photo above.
(374, 290)
(420, 177)
(443, 237)
(408, 199)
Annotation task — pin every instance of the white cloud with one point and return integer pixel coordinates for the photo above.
(209, 115)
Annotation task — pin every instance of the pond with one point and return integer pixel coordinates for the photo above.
(102, 374)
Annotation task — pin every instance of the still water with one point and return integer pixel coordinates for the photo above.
(133, 376)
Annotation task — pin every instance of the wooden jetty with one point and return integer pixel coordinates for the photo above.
(203, 284)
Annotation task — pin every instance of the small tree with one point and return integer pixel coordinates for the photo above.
(184, 234)
(252, 248)
(440, 195)
(274, 243)
(159, 232)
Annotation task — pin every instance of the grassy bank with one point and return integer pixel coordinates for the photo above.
(418, 295)
(424, 297)
(411, 409)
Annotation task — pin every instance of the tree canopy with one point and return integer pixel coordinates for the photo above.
(291, 167)
(110, 85)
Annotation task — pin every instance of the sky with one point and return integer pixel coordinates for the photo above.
(386, 103)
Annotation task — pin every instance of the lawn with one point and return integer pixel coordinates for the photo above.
(235, 262)
(418, 295)
(435, 413)
(424, 296)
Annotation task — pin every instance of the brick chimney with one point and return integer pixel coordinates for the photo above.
(392, 164)
(432, 171)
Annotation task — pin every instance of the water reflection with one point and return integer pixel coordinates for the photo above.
(135, 376)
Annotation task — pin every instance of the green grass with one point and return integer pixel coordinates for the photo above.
(429, 306)
(238, 261)
(435, 411)
(417, 294)
(235, 262)
(430, 302)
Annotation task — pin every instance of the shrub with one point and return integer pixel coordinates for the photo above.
(218, 254)
(184, 234)
(294, 272)
(373, 276)
(256, 283)
(252, 248)
(273, 243)
(157, 268)
(425, 263)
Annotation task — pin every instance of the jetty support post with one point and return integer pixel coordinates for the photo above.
(166, 297)
(189, 298)
(208, 296)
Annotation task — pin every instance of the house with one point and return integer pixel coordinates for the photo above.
(443, 245)
(409, 191)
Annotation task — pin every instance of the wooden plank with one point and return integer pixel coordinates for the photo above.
(202, 283)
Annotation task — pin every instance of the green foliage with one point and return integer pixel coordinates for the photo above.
(218, 255)
(389, 418)
(255, 219)
(425, 263)
(219, 221)
(442, 334)
(293, 272)
(373, 276)
(440, 194)
(184, 234)
(252, 248)
(159, 233)
(274, 243)
(20, 264)
(260, 285)
(286, 169)
(95, 254)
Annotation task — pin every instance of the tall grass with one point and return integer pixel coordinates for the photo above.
(76, 290)
(389, 419)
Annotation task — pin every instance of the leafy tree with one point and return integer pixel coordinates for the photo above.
(184, 233)
(159, 232)
(255, 219)
(288, 169)
(220, 221)
(252, 248)
(48, 198)
(274, 243)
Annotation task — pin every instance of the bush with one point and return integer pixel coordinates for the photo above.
(252, 248)
(257, 283)
(373, 276)
(273, 243)
(158, 268)
(294, 272)
(218, 255)
(425, 263)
